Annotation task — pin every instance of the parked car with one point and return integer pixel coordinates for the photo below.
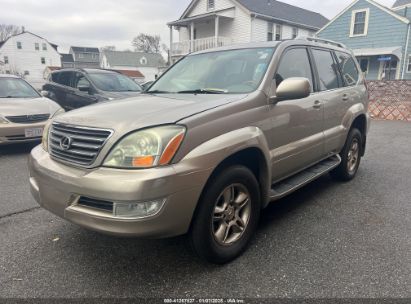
(218, 137)
(76, 88)
(23, 111)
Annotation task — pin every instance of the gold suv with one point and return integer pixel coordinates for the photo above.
(215, 139)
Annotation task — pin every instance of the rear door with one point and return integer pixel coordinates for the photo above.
(60, 87)
(79, 98)
(296, 133)
(334, 97)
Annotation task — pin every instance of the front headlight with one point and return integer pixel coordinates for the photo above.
(3, 120)
(45, 137)
(146, 148)
(58, 112)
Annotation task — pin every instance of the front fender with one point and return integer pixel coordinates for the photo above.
(213, 152)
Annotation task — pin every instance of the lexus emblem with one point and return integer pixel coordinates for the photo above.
(65, 143)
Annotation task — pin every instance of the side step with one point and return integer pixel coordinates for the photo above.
(301, 179)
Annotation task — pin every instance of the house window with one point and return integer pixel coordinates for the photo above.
(81, 55)
(37, 46)
(270, 34)
(43, 60)
(409, 64)
(295, 33)
(278, 32)
(6, 59)
(26, 73)
(7, 72)
(359, 23)
(364, 64)
(44, 46)
(19, 46)
(210, 4)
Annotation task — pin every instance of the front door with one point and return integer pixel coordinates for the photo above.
(79, 97)
(296, 135)
(388, 69)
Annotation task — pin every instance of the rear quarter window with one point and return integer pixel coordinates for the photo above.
(348, 67)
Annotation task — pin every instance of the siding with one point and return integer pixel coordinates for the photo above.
(260, 30)
(28, 59)
(201, 7)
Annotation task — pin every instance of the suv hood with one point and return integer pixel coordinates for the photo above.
(145, 110)
(27, 106)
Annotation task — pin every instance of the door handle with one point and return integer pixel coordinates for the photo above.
(317, 104)
(345, 97)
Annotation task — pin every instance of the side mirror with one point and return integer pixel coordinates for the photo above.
(44, 93)
(84, 88)
(292, 88)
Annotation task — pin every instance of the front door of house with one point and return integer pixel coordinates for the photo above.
(388, 69)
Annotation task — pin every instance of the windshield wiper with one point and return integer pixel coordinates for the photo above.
(157, 92)
(204, 91)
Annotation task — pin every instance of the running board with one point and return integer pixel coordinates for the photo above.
(301, 179)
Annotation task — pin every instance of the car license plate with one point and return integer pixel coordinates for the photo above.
(33, 132)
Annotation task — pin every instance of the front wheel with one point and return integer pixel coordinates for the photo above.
(227, 215)
(350, 157)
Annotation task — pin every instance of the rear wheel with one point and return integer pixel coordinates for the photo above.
(350, 157)
(227, 215)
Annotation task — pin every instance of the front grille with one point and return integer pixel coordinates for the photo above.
(78, 145)
(95, 204)
(28, 118)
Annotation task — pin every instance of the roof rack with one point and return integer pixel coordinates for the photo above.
(325, 41)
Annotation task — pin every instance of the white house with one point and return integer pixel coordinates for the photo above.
(148, 64)
(209, 23)
(28, 55)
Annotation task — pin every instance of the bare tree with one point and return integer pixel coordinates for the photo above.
(108, 48)
(8, 30)
(147, 43)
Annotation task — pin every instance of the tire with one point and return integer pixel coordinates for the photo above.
(348, 167)
(210, 238)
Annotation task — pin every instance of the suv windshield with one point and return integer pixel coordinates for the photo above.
(16, 88)
(113, 82)
(233, 71)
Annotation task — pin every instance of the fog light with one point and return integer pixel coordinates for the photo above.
(138, 210)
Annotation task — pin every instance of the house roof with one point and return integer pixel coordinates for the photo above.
(83, 49)
(134, 59)
(54, 68)
(284, 11)
(67, 58)
(401, 3)
(131, 73)
(54, 46)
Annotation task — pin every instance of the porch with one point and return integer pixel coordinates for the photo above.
(380, 63)
(200, 33)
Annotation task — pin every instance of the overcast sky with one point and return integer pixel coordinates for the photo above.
(115, 22)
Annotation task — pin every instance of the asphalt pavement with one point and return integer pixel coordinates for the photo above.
(328, 240)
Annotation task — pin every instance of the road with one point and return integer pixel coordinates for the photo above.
(327, 240)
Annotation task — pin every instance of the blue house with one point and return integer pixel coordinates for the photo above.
(379, 37)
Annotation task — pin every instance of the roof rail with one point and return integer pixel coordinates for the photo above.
(325, 41)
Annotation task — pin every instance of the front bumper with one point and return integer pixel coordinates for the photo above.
(15, 133)
(57, 187)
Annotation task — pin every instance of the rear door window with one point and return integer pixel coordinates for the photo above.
(349, 70)
(327, 70)
(81, 81)
(64, 78)
(294, 63)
